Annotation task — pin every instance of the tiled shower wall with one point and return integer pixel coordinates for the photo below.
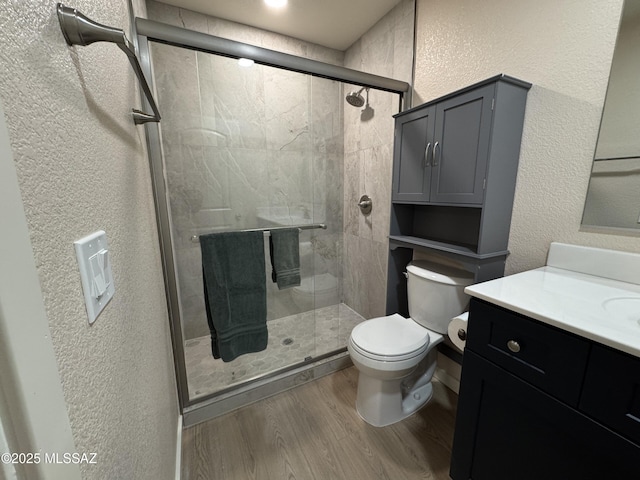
(247, 147)
(386, 50)
(355, 154)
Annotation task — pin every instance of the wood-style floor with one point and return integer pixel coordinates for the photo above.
(314, 432)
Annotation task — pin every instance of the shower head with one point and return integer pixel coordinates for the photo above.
(355, 99)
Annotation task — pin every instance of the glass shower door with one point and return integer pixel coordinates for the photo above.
(245, 148)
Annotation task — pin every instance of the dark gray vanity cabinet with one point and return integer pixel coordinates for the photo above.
(442, 149)
(454, 174)
(537, 403)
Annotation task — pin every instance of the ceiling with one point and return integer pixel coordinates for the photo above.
(333, 23)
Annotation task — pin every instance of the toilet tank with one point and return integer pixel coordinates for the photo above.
(436, 293)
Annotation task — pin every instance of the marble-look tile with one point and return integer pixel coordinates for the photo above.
(287, 110)
(365, 294)
(175, 16)
(352, 189)
(377, 165)
(377, 51)
(351, 281)
(353, 56)
(239, 103)
(176, 80)
(351, 115)
(311, 334)
(248, 189)
(331, 189)
(288, 179)
(376, 122)
(376, 269)
(326, 124)
(235, 31)
(376, 35)
(403, 41)
(162, 12)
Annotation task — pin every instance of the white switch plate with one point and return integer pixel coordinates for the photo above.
(94, 262)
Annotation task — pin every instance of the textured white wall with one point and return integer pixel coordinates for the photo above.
(563, 47)
(82, 166)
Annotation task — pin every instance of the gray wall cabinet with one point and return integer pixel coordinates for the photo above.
(442, 150)
(454, 175)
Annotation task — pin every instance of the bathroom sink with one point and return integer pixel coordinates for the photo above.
(626, 308)
(590, 292)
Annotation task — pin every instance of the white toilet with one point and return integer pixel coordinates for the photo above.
(395, 356)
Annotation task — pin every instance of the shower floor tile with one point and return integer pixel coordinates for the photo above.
(291, 340)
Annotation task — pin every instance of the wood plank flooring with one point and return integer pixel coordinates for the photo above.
(313, 432)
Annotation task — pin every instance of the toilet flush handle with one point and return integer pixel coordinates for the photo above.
(406, 275)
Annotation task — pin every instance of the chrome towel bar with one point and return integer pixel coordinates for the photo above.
(80, 30)
(311, 226)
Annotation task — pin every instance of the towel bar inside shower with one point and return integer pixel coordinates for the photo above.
(310, 226)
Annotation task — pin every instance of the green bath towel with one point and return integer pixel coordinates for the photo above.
(235, 293)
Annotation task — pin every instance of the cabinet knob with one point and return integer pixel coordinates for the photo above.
(513, 345)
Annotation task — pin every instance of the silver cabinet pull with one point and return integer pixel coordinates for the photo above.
(436, 149)
(427, 163)
(513, 345)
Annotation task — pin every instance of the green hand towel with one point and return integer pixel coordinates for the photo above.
(284, 249)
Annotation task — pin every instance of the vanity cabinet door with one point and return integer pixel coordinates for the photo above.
(546, 357)
(611, 391)
(507, 430)
(412, 156)
(461, 147)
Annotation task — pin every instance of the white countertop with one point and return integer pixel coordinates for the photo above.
(601, 309)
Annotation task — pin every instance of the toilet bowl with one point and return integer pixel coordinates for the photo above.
(316, 291)
(395, 356)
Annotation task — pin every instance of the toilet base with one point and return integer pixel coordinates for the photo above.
(384, 402)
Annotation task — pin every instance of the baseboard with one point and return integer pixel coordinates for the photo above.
(179, 449)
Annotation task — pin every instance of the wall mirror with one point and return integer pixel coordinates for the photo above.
(613, 197)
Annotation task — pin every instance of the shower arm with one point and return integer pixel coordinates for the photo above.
(80, 30)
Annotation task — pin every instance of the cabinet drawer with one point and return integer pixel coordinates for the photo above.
(544, 356)
(611, 392)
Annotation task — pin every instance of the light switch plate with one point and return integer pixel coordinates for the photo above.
(94, 262)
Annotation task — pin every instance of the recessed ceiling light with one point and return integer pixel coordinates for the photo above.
(276, 3)
(245, 62)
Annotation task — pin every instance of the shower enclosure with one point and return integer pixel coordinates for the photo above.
(250, 147)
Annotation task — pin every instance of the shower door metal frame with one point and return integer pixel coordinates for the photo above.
(148, 30)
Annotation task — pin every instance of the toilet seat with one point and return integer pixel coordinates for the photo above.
(391, 339)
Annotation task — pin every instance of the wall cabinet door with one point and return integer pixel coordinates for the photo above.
(441, 151)
(461, 147)
(507, 429)
(413, 154)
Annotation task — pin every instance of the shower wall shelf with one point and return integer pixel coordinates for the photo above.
(81, 30)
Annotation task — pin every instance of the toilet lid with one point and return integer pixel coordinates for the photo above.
(390, 336)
